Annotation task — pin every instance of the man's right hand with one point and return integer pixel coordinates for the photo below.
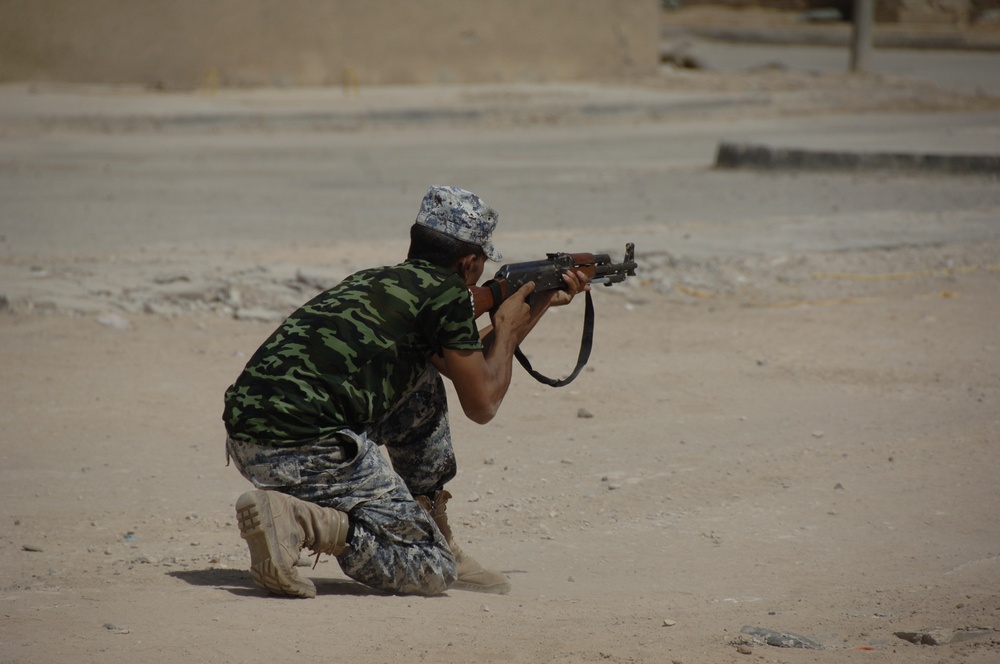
(514, 318)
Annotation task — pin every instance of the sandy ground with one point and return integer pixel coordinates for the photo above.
(803, 437)
(827, 469)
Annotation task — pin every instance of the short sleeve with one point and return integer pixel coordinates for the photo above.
(455, 320)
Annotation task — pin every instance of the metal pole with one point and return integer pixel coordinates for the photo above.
(861, 35)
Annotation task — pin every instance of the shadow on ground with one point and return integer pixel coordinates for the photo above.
(238, 582)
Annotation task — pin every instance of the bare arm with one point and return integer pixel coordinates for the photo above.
(481, 379)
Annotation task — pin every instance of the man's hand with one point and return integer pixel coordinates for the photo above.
(514, 316)
(576, 282)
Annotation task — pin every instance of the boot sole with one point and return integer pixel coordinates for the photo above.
(256, 521)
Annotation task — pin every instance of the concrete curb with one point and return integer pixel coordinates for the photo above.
(761, 157)
(837, 36)
(234, 117)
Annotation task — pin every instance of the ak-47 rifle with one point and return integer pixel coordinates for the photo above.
(547, 275)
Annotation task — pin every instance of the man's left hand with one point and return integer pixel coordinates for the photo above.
(576, 282)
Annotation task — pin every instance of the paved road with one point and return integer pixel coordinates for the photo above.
(98, 194)
(247, 168)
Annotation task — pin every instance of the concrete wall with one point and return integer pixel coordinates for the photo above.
(191, 43)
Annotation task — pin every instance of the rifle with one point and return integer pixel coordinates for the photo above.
(547, 275)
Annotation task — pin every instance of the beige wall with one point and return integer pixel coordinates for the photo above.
(186, 43)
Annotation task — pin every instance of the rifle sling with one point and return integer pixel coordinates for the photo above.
(586, 343)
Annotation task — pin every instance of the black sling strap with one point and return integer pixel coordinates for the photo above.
(586, 343)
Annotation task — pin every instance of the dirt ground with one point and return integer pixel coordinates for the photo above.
(805, 442)
(826, 468)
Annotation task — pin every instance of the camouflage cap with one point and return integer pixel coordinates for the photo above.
(462, 215)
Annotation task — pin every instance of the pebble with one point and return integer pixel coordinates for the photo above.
(780, 639)
(115, 321)
(115, 629)
(939, 636)
(170, 278)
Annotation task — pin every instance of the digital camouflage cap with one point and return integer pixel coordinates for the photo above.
(462, 215)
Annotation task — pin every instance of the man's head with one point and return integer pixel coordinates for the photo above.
(461, 215)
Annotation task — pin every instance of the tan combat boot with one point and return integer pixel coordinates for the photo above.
(276, 527)
(471, 575)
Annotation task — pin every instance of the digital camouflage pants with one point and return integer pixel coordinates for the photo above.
(395, 546)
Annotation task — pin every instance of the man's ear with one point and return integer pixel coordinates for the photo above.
(466, 265)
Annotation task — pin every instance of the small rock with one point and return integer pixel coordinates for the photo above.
(780, 639)
(170, 278)
(115, 321)
(584, 413)
(31, 547)
(115, 629)
(669, 623)
(939, 636)
(817, 434)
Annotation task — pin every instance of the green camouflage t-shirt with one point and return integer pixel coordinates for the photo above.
(347, 356)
